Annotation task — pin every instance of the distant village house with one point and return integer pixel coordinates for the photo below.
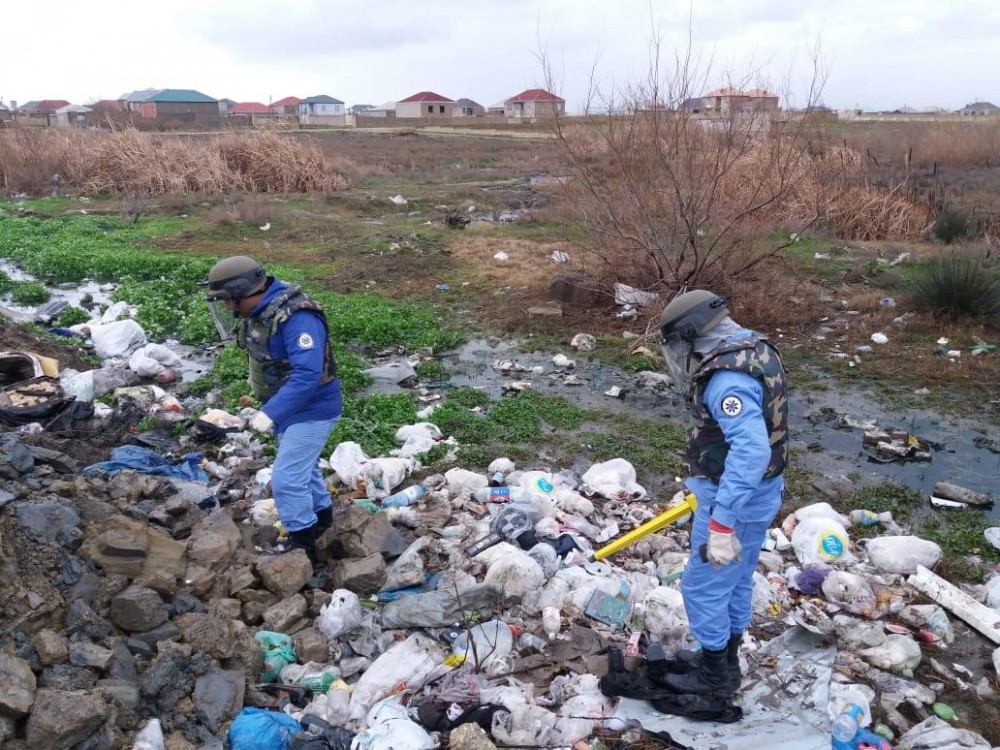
(322, 110)
(425, 104)
(980, 109)
(534, 104)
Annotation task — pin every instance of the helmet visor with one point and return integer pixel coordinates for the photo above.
(223, 314)
(677, 355)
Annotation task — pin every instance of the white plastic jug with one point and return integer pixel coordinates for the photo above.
(819, 540)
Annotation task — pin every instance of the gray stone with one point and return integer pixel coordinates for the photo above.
(469, 737)
(545, 311)
(357, 533)
(285, 574)
(7, 729)
(213, 635)
(213, 541)
(61, 719)
(86, 654)
(218, 697)
(119, 692)
(228, 609)
(167, 682)
(80, 618)
(363, 575)
(15, 458)
(48, 521)
(285, 613)
(138, 609)
(17, 685)
(59, 461)
(122, 666)
(200, 580)
(67, 677)
(165, 632)
(50, 647)
(184, 603)
(139, 647)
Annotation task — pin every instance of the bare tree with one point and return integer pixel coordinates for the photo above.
(674, 190)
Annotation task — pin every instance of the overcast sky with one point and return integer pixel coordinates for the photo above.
(876, 54)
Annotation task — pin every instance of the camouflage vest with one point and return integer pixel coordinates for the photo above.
(268, 374)
(707, 448)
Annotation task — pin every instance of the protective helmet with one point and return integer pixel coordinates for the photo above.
(229, 281)
(235, 278)
(683, 320)
(692, 314)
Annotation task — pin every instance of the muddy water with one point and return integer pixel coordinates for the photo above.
(963, 455)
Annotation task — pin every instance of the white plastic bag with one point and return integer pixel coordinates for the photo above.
(116, 311)
(902, 554)
(514, 571)
(993, 593)
(340, 615)
(935, 734)
(413, 662)
(78, 384)
(821, 510)
(151, 359)
(390, 728)
(346, 462)
(407, 569)
(417, 438)
(664, 608)
(850, 591)
(615, 480)
(116, 339)
(383, 475)
(820, 540)
(899, 654)
(487, 645)
(460, 480)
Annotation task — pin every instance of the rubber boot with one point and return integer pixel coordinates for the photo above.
(710, 678)
(689, 661)
(304, 539)
(324, 520)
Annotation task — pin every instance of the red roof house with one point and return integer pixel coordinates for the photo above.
(533, 104)
(287, 106)
(48, 106)
(425, 104)
(250, 108)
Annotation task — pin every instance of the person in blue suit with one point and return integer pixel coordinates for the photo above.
(294, 374)
(736, 392)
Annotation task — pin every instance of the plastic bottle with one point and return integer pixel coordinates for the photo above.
(847, 724)
(404, 497)
(319, 682)
(551, 621)
(497, 479)
(531, 641)
(499, 494)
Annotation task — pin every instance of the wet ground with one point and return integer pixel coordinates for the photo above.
(965, 452)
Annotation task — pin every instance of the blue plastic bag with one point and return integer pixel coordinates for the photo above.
(260, 729)
(146, 461)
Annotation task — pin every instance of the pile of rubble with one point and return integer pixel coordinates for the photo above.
(143, 606)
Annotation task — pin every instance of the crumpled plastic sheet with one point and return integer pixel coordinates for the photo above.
(145, 461)
(784, 702)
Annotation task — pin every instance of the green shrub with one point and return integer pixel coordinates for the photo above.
(959, 286)
(6, 282)
(951, 224)
(72, 316)
(29, 293)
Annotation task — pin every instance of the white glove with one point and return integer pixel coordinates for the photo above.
(723, 547)
(261, 422)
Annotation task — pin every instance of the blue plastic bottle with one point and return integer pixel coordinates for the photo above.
(404, 497)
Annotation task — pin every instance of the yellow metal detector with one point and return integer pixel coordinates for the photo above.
(683, 508)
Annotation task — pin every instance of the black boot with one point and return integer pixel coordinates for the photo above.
(710, 678)
(690, 661)
(304, 539)
(324, 520)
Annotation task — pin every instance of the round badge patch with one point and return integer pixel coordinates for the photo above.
(305, 341)
(732, 406)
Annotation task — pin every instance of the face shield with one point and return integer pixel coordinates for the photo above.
(677, 355)
(223, 314)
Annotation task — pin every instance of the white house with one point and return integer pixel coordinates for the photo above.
(322, 110)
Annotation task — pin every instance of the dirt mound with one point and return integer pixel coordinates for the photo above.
(17, 338)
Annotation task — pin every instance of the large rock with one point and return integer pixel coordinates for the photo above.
(282, 616)
(51, 521)
(213, 541)
(357, 533)
(61, 719)
(218, 697)
(50, 647)
(362, 575)
(17, 685)
(470, 737)
(310, 645)
(80, 618)
(138, 609)
(124, 546)
(213, 635)
(86, 654)
(165, 632)
(285, 574)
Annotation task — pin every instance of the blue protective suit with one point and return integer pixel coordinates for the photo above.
(718, 600)
(304, 412)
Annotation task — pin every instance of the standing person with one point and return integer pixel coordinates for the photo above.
(737, 450)
(294, 374)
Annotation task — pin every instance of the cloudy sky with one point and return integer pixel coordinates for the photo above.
(876, 54)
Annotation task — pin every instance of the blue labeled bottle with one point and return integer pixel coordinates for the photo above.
(405, 497)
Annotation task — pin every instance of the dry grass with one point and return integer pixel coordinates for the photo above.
(128, 162)
(966, 145)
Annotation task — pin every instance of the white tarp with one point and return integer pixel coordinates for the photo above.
(784, 704)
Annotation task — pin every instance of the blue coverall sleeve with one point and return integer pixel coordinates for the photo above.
(303, 337)
(735, 401)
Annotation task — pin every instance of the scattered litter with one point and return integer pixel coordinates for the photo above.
(983, 619)
(629, 295)
(955, 493)
(563, 362)
(880, 338)
(614, 392)
(501, 256)
(583, 342)
(398, 200)
(558, 256)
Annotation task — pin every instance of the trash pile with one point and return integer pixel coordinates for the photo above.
(144, 606)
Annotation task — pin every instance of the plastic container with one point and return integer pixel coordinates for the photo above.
(405, 497)
(847, 724)
(319, 682)
(551, 621)
(819, 540)
(531, 641)
(500, 494)
(492, 641)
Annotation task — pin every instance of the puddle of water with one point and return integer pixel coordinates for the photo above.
(959, 460)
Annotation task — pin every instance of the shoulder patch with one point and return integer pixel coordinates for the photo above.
(305, 341)
(731, 405)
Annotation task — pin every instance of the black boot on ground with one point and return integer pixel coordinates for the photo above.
(305, 539)
(710, 677)
(324, 520)
(690, 661)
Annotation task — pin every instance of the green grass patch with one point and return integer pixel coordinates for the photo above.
(960, 535)
(372, 422)
(431, 369)
(652, 446)
(72, 316)
(470, 398)
(29, 293)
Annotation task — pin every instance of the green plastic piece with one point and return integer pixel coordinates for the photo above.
(885, 732)
(278, 653)
(943, 711)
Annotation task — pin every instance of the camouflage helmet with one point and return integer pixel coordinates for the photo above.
(235, 278)
(692, 314)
